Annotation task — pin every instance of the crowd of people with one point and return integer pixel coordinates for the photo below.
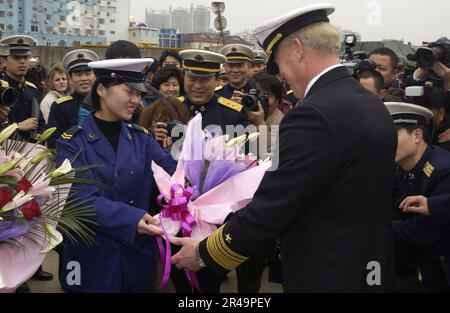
(364, 170)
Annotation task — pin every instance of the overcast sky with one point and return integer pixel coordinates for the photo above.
(412, 20)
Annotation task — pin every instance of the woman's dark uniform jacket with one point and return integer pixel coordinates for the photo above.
(329, 200)
(122, 258)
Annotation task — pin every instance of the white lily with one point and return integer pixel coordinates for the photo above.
(20, 199)
(8, 132)
(237, 141)
(253, 137)
(41, 187)
(55, 238)
(65, 168)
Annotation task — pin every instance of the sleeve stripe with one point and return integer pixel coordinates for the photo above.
(221, 253)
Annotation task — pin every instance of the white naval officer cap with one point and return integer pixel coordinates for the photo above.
(237, 53)
(406, 114)
(19, 45)
(132, 72)
(78, 60)
(270, 34)
(260, 57)
(202, 63)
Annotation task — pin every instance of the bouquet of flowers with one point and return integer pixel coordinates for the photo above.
(33, 194)
(212, 180)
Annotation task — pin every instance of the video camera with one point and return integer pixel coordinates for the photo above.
(434, 52)
(351, 59)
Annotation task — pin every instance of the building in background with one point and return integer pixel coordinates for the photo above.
(142, 35)
(170, 38)
(201, 19)
(66, 22)
(157, 19)
(185, 20)
(211, 41)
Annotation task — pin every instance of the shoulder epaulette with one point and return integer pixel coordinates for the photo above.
(4, 83)
(230, 104)
(64, 99)
(428, 169)
(30, 84)
(181, 99)
(67, 135)
(138, 128)
(219, 88)
(289, 92)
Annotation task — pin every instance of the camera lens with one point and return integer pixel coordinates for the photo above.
(8, 97)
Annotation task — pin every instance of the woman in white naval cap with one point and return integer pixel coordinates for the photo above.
(124, 259)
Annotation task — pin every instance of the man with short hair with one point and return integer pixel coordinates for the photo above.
(258, 62)
(328, 199)
(26, 112)
(238, 67)
(434, 99)
(70, 111)
(422, 190)
(387, 64)
(373, 81)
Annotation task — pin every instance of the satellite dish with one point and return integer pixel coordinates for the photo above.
(220, 23)
(218, 7)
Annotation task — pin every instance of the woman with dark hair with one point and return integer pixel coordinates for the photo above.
(171, 57)
(169, 81)
(125, 258)
(157, 116)
(273, 89)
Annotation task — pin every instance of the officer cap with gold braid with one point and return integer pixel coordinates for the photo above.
(201, 63)
(260, 57)
(19, 45)
(236, 54)
(270, 34)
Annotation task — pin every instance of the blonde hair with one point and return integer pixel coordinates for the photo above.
(58, 68)
(321, 37)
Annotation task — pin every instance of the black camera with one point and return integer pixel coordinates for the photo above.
(363, 65)
(434, 52)
(251, 99)
(8, 96)
(178, 127)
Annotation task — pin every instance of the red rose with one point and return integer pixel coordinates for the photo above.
(31, 210)
(23, 185)
(5, 197)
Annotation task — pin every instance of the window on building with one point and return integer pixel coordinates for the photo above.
(62, 43)
(34, 28)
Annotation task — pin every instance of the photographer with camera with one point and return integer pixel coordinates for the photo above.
(435, 58)
(365, 72)
(162, 117)
(237, 67)
(387, 63)
(434, 100)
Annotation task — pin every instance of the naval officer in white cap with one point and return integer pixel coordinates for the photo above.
(125, 258)
(329, 199)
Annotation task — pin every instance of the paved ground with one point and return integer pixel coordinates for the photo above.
(51, 265)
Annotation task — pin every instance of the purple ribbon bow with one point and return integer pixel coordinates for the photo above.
(177, 210)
